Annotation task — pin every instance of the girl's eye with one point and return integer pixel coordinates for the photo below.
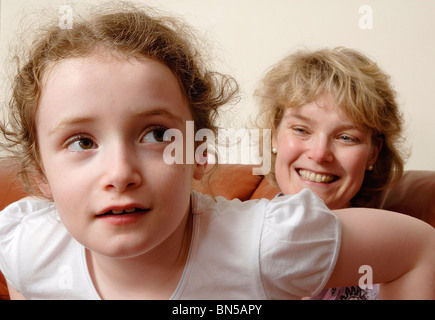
(155, 135)
(81, 144)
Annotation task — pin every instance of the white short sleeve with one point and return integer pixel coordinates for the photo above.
(38, 257)
(17, 228)
(308, 233)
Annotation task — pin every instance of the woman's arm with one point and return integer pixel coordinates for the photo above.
(399, 249)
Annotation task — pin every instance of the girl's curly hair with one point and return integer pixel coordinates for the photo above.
(124, 29)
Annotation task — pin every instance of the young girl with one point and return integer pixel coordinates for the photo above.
(336, 130)
(88, 117)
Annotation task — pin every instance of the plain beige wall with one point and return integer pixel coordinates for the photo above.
(248, 36)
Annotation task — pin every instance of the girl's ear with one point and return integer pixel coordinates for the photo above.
(200, 164)
(42, 183)
(44, 187)
(199, 170)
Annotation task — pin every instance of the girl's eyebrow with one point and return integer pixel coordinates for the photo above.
(74, 120)
(69, 121)
(160, 112)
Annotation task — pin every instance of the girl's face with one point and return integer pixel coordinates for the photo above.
(100, 124)
(321, 149)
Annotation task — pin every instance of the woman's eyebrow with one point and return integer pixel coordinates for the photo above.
(298, 116)
(343, 126)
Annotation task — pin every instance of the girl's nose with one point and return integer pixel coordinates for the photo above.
(122, 171)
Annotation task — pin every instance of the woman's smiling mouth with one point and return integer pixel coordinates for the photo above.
(316, 177)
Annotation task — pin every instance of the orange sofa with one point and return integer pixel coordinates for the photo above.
(413, 195)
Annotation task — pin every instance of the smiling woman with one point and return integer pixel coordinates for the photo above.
(320, 148)
(340, 107)
(336, 130)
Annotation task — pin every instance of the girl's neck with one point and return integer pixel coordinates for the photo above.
(152, 275)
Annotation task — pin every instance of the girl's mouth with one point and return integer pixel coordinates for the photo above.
(122, 217)
(123, 212)
(316, 177)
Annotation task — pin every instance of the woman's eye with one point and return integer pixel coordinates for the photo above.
(348, 139)
(299, 130)
(155, 135)
(81, 144)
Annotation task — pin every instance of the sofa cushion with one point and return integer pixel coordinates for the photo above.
(4, 294)
(413, 195)
(229, 181)
(265, 190)
(10, 189)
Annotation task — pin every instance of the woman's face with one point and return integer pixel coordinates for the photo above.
(319, 148)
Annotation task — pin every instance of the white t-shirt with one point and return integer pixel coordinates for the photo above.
(260, 249)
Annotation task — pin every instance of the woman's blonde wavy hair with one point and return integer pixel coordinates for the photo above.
(124, 29)
(362, 91)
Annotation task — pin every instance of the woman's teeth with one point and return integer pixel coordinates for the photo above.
(315, 177)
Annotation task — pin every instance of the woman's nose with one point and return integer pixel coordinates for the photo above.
(321, 150)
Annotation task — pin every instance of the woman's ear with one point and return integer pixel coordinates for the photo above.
(274, 141)
(377, 146)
